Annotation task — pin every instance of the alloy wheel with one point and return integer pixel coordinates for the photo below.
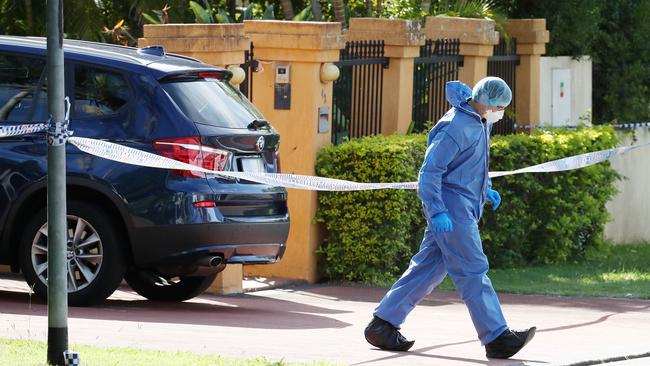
(84, 253)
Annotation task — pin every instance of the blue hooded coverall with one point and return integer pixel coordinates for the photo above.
(452, 179)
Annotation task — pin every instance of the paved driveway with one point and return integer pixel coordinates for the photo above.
(326, 323)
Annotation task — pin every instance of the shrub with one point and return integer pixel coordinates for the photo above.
(544, 218)
(371, 234)
(548, 217)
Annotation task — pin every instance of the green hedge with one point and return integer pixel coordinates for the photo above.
(371, 234)
(544, 218)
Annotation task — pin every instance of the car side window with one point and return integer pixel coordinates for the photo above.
(19, 80)
(98, 92)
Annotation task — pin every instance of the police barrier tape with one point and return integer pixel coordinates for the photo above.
(7, 131)
(572, 162)
(616, 125)
(128, 155)
(124, 154)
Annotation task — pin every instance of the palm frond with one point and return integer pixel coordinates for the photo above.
(201, 14)
(305, 14)
(269, 13)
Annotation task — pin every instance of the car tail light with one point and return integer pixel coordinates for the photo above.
(211, 75)
(205, 204)
(189, 150)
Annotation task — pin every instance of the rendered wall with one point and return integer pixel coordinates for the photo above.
(581, 81)
(630, 209)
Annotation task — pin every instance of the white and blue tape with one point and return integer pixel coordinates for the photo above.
(7, 131)
(127, 155)
(617, 125)
(57, 132)
(571, 162)
(124, 154)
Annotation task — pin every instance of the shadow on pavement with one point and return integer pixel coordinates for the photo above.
(265, 312)
(241, 311)
(440, 298)
(420, 352)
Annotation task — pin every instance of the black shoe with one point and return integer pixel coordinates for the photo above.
(509, 343)
(384, 335)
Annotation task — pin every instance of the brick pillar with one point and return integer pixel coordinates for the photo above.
(301, 49)
(477, 40)
(532, 36)
(402, 41)
(216, 44)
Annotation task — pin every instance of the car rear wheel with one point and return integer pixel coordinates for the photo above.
(95, 254)
(175, 289)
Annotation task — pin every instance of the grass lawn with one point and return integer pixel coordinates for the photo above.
(623, 272)
(28, 353)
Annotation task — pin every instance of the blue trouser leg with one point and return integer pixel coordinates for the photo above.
(425, 272)
(467, 266)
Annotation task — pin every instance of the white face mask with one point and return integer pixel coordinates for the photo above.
(494, 116)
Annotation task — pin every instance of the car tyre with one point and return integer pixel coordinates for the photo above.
(96, 254)
(180, 289)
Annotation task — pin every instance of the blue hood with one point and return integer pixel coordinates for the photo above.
(457, 93)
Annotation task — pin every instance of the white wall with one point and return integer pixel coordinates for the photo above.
(580, 87)
(630, 209)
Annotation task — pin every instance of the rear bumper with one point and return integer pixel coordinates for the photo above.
(253, 240)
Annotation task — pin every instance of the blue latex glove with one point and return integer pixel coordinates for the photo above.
(441, 223)
(494, 198)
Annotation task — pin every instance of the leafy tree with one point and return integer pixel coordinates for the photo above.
(22, 18)
(621, 53)
(85, 19)
(402, 9)
(615, 34)
(573, 24)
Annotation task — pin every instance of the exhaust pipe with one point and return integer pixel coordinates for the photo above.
(210, 261)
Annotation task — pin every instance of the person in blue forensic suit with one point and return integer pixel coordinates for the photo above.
(453, 185)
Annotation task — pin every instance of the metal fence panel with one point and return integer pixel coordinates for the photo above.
(438, 63)
(503, 64)
(357, 98)
(249, 66)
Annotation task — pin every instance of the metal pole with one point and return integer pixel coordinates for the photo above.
(57, 282)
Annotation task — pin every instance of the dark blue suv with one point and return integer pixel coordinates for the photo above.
(168, 233)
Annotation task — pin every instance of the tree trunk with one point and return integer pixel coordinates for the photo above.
(231, 5)
(315, 8)
(426, 6)
(369, 8)
(287, 9)
(379, 8)
(339, 11)
(29, 18)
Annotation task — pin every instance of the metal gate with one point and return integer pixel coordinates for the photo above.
(504, 65)
(250, 66)
(438, 63)
(357, 99)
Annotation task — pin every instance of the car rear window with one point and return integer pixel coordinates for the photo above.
(212, 102)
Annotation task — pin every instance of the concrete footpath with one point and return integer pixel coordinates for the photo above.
(310, 323)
